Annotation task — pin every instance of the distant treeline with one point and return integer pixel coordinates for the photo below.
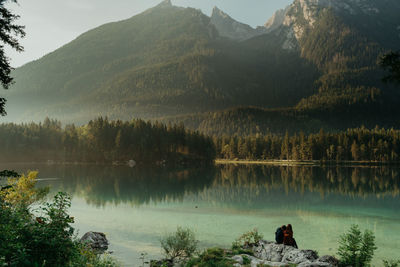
(359, 144)
(103, 141)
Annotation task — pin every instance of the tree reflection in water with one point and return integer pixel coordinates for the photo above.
(101, 185)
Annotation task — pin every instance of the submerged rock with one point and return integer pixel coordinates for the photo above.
(96, 241)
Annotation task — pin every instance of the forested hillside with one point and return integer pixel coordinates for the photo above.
(252, 120)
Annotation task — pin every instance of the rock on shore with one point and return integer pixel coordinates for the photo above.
(96, 241)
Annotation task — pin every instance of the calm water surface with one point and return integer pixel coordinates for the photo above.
(135, 207)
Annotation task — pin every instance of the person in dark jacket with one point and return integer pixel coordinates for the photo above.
(279, 234)
(288, 239)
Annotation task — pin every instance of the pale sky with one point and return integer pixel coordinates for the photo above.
(53, 23)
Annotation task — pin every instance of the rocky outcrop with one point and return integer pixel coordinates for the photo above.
(271, 254)
(276, 20)
(96, 241)
(302, 15)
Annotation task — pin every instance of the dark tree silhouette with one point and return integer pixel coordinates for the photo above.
(391, 62)
(9, 34)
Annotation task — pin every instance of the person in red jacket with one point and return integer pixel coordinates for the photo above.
(288, 239)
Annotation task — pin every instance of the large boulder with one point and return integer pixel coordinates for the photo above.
(96, 241)
(270, 251)
(273, 254)
(297, 256)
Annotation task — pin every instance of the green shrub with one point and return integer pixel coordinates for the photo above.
(48, 240)
(238, 251)
(180, 244)
(391, 263)
(85, 256)
(246, 260)
(356, 249)
(212, 257)
(247, 239)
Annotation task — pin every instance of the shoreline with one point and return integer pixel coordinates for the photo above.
(305, 163)
(272, 162)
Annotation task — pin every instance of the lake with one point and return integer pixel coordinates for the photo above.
(136, 206)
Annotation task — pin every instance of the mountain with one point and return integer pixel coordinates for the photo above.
(166, 61)
(344, 40)
(340, 40)
(230, 28)
(315, 60)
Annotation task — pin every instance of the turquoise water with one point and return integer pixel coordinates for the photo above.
(135, 207)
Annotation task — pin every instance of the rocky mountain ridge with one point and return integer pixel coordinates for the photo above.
(302, 15)
(230, 28)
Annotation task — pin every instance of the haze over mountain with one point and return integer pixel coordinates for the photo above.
(315, 59)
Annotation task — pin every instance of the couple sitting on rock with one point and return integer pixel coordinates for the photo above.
(284, 235)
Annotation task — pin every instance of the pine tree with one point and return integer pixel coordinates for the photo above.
(9, 34)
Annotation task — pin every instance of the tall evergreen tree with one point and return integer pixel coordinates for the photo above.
(9, 34)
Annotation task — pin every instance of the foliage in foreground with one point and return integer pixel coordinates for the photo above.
(247, 239)
(180, 244)
(212, 257)
(356, 249)
(40, 236)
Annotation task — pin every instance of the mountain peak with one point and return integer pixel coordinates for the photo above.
(230, 28)
(165, 3)
(276, 20)
(219, 13)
